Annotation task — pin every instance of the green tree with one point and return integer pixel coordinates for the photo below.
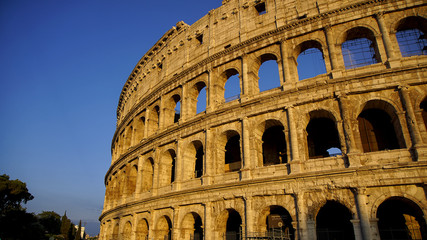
(79, 231)
(15, 222)
(12, 193)
(65, 226)
(51, 222)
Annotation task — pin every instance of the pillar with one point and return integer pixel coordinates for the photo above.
(410, 116)
(362, 211)
(209, 158)
(349, 135)
(139, 177)
(385, 35)
(247, 160)
(285, 64)
(295, 161)
(356, 229)
(208, 227)
(335, 65)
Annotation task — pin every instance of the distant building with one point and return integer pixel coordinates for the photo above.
(332, 145)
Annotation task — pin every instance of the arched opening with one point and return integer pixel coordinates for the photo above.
(279, 224)
(164, 228)
(127, 231)
(154, 120)
(198, 168)
(268, 73)
(274, 146)
(234, 225)
(322, 135)
(333, 222)
(232, 85)
(376, 130)
(131, 181)
(359, 48)
(201, 97)
(138, 128)
(167, 173)
(423, 106)
(233, 159)
(177, 109)
(400, 218)
(147, 175)
(192, 227)
(142, 230)
(310, 60)
(411, 37)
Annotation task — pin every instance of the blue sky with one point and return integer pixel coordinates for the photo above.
(62, 67)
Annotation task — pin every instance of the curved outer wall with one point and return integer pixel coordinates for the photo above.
(155, 188)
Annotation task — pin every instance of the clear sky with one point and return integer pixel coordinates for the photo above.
(63, 64)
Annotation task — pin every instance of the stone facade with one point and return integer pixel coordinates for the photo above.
(262, 161)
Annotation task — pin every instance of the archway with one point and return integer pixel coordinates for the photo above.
(360, 48)
(234, 225)
(274, 146)
(268, 73)
(333, 222)
(232, 154)
(127, 230)
(164, 228)
(142, 230)
(279, 223)
(400, 218)
(192, 227)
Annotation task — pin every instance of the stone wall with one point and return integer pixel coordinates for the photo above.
(189, 173)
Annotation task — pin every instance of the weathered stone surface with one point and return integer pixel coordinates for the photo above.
(176, 176)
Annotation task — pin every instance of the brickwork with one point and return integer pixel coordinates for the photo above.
(188, 173)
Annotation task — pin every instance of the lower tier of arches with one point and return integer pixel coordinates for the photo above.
(371, 204)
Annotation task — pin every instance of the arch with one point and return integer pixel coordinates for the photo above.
(268, 72)
(423, 107)
(322, 134)
(401, 218)
(310, 59)
(164, 228)
(232, 87)
(275, 220)
(273, 144)
(197, 98)
(192, 227)
(410, 35)
(147, 175)
(167, 169)
(131, 180)
(138, 128)
(193, 160)
(333, 221)
(229, 224)
(142, 229)
(232, 153)
(359, 48)
(154, 119)
(127, 230)
(379, 127)
(172, 109)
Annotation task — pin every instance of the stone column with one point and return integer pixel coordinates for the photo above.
(375, 233)
(349, 136)
(285, 64)
(247, 163)
(301, 227)
(362, 211)
(179, 166)
(175, 224)
(311, 229)
(335, 66)
(147, 123)
(186, 102)
(156, 172)
(244, 78)
(208, 227)
(356, 229)
(385, 35)
(139, 177)
(295, 161)
(410, 116)
(250, 225)
(209, 159)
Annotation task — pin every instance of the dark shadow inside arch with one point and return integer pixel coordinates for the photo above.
(274, 146)
(322, 135)
(377, 131)
(198, 228)
(198, 168)
(234, 225)
(423, 106)
(279, 224)
(232, 154)
(333, 222)
(400, 218)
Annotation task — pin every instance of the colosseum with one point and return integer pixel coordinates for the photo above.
(276, 119)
